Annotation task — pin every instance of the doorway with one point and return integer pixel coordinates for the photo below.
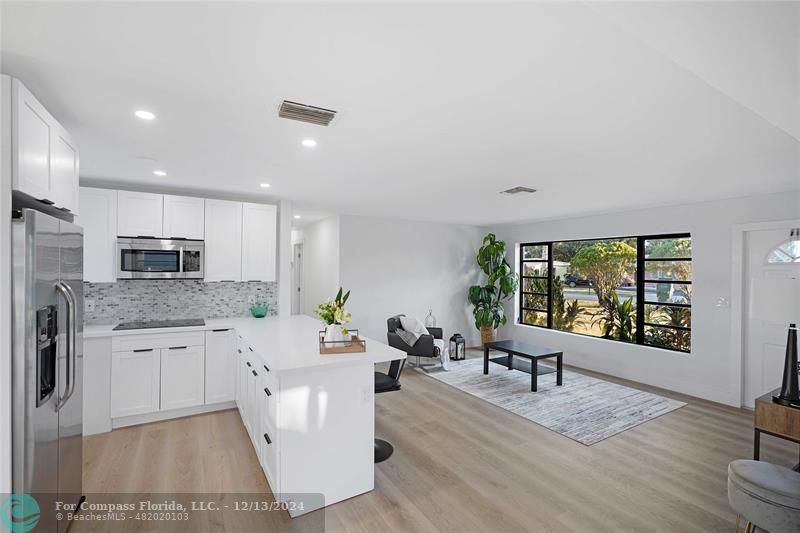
(767, 255)
(297, 278)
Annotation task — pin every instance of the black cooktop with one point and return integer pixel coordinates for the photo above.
(150, 324)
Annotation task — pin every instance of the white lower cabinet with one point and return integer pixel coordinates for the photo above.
(135, 382)
(221, 368)
(258, 393)
(182, 377)
(156, 372)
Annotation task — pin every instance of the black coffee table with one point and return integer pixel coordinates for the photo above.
(529, 362)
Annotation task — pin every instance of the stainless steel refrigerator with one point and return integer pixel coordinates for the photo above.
(47, 362)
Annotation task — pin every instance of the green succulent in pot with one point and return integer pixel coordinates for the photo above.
(500, 285)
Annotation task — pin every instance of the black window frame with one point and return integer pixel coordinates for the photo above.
(641, 281)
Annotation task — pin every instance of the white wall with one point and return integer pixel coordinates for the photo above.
(397, 266)
(709, 371)
(320, 263)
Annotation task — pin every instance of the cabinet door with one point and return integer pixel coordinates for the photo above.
(184, 217)
(253, 412)
(139, 214)
(98, 219)
(32, 137)
(221, 366)
(259, 234)
(135, 384)
(238, 364)
(182, 377)
(223, 241)
(64, 171)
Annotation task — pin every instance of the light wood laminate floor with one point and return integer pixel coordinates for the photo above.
(461, 464)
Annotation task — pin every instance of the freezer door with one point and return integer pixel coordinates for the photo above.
(70, 388)
(36, 269)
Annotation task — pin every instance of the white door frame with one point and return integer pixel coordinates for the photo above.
(737, 295)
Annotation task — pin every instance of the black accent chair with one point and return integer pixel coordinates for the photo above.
(388, 382)
(424, 346)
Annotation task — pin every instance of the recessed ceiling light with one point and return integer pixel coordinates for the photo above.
(145, 115)
(265, 185)
(159, 173)
(297, 216)
(309, 143)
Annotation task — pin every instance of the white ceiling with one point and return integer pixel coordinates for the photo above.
(598, 106)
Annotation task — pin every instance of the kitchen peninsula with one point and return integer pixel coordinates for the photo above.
(310, 417)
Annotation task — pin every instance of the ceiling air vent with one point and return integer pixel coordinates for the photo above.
(518, 190)
(306, 113)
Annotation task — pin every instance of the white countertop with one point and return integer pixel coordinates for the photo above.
(287, 343)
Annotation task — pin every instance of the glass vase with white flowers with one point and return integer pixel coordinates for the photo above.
(334, 315)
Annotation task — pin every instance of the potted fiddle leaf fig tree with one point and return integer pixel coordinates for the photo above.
(501, 284)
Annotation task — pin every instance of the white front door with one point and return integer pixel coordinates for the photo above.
(764, 341)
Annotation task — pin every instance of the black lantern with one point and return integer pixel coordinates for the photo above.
(458, 347)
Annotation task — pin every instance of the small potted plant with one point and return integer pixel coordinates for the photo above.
(333, 314)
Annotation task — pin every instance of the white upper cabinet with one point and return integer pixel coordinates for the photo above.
(64, 171)
(140, 214)
(259, 233)
(44, 159)
(184, 217)
(98, 219)
(32, 135)
(223, 238)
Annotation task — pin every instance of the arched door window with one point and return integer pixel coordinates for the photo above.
(787, 251)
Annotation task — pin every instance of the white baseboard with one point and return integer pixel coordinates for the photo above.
(159, 416)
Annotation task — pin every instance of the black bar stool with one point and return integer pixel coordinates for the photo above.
(387, 383)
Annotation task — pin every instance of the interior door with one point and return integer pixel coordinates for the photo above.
(764, 341)
(297, 278)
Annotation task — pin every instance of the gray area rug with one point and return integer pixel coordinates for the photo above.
(584, 408)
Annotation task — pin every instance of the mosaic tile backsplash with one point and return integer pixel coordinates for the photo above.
(128, 300)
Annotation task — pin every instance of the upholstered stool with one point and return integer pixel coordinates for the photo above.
(766, 495)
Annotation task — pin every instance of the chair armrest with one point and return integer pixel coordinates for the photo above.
(423, 347)
(436, 332)
(396, 342)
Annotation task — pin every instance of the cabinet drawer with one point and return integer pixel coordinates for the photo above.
(123, 343)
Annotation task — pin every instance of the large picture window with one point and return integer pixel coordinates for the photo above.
(630, 289)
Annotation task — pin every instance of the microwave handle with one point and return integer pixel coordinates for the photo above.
(180, 260)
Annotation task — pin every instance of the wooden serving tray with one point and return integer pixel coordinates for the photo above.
(335, 348)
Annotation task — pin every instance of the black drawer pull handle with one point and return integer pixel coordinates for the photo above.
(219, 330)
(143, 350)
(266, 368)
(248, 364)
(255, 373)
(177, 347)
(267, 392)
(266, 438)
(249, 348)
(238, 350)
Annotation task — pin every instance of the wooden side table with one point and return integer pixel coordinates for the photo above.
(777, 420)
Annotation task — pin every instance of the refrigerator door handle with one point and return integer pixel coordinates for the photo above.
(69, 298)
(74, 344)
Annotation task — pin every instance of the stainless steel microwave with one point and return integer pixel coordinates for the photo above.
(148, 258)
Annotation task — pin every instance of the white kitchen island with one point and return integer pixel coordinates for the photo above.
(310, 417)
